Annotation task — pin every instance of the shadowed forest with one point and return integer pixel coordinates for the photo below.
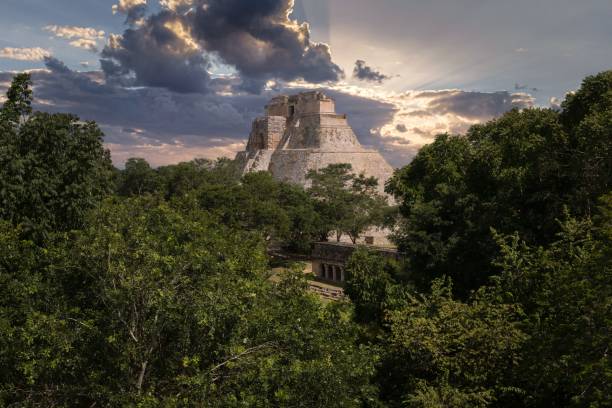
(147, 287)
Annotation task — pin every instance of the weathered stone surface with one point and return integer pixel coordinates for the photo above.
(302, 132)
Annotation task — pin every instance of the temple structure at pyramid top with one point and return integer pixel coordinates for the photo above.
(303, 132)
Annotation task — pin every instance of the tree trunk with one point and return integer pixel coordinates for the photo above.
(143, 370)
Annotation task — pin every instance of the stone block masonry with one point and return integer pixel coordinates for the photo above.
(303, 132)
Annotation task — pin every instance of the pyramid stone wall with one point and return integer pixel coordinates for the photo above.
(302, 132)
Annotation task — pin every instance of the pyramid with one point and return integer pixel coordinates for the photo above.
(303, 132)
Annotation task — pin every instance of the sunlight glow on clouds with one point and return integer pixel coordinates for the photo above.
(164, 154)
(82, 37)
(124, 6)
(71, 32)
(419, 116)
(24, 54)
(175, 5)
(186, 77)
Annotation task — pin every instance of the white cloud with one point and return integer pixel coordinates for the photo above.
(90, 45)
(71, 32)
(24, 54)
(175, 5)
(82, 37)
(124, 6)
(114, 41)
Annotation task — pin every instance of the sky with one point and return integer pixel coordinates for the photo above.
(173, 80)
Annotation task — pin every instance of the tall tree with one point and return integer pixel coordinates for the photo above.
(19, 100)
(138, 178)
(348, 203)
(53, 167)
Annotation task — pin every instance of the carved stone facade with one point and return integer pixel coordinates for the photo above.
(329, 259)
(303, 132)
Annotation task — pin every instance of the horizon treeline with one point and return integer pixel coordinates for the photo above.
(151, 287)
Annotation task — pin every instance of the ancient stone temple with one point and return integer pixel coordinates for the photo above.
(303, 132)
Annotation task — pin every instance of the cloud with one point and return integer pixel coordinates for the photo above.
(257, 39)
(82, 37)
(366, 73)
(176, 5)
(160, 53)
(155, 123)
(475, 105)
(24, 54)
(89, 45)
(125, 6)
(422, 115)
(519, 87)
(165, 126)
(555, 103)
(71, 32)
(133, 9)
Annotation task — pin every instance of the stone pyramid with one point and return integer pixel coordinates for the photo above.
(303, 132)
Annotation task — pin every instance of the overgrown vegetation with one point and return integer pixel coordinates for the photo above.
(149, 287)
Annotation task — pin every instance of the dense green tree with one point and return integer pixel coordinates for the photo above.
(347, 203)
(368, 207)
(185, 178)
(138, 179)
(329, 187)
(18, 105)
(305, 224)
(446, 353)
(150, 306)
(587, 118)
(373, 285)
(566, 291)
(53, 167)
(513, 174)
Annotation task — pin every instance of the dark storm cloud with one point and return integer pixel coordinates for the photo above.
(155, 55)
(476, 105)
(158, 113)
(257, 38)
(135, 13)
(365, 73)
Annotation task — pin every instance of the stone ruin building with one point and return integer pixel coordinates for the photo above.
(303, 132)
(329, 259)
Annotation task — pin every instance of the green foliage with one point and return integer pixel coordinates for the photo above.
(371, 285)
(19, 100)
(184, 178)
(453, 354)
(53, 168)
(138, 179)
(347, 203)
(566, 291)
(587, 116)
(513, 174)
(150, 306)
(161, 295)
(283, 213)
